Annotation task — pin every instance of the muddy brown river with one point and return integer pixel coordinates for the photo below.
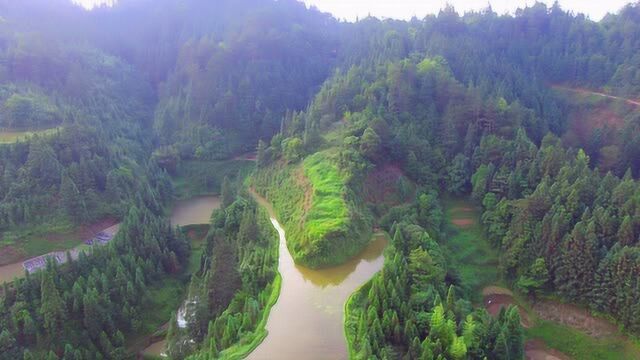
(307, 321)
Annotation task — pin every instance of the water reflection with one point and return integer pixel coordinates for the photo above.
(196, 210)
(307, 320)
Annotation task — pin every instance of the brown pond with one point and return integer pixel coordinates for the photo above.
(195, 210)
(307, 321)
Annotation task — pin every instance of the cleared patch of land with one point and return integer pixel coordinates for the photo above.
(562, 331)
(23, 243)
(11, 136)
(386, 184)
(597, 93)
(575, 317)
(538, 350)
(475, 258)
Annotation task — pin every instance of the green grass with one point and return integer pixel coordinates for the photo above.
(35, 240)
(195, 177)
(475, 259)
(328, 210)
(163, 300)
(581, 346)
(11, 136)
(165, 297)
(326, 222)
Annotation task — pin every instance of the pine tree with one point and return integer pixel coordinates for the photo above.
(515, 334)
(226, 193)
(458, 349)
(52, 307)
(261, 156)
(72, 200)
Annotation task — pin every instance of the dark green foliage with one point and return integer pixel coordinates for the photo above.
(401, 310)
(87, 305)
(459, 103)
(237, 275)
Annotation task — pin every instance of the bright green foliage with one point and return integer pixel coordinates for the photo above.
(414, 322)
(292, 149)
(536, 278)
(449, 100)
(52, 307)
(325, 221)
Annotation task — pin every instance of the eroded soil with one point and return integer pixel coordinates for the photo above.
(574, 317)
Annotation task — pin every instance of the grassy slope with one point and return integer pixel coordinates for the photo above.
(474, 257)
(579, 345)
(325, 223)
(328, 212)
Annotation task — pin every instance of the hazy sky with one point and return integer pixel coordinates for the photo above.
(405, 9)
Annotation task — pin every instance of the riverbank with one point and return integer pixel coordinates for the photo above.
(326, 222)
(308, 317)
(83, 239)
(352, 307)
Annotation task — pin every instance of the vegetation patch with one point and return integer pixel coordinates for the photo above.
(579, 345)
(12, 136)
(199, 177)
(24, 242)
(326, 222)
(476, 260)
(386, 184)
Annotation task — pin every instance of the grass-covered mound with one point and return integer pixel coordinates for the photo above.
(326, 223)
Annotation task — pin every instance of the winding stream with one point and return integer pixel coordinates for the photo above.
(307, 321)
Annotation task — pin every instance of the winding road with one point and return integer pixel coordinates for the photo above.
(589, 92)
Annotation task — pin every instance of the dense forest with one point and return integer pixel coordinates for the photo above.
(471, 105)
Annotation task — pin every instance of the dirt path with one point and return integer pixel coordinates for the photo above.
(496, 298)
(589, 92)
(250, 156)
(574, 317)
(537, 350)
(462, 217)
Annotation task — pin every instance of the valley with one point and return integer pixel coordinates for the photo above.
(259, 179)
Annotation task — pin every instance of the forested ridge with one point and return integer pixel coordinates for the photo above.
(457, 105)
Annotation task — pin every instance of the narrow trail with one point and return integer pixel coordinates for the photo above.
(589, 92)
